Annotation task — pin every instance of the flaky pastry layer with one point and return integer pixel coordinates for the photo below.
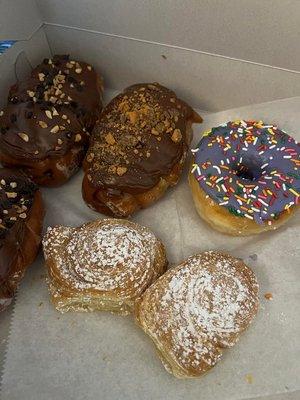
(103, 265)
(197, 309)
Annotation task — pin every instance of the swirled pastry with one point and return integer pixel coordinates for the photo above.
(138, 149)
(102, 265)
(197, 309)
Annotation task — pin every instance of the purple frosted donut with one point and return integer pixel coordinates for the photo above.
(250, 168)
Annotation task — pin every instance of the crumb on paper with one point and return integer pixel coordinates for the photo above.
(164, 57)
(106, 359)
(253, 257)
(268, 296)
(249, 378)
(41, 303)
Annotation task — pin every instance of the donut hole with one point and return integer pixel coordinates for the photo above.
(249, 168)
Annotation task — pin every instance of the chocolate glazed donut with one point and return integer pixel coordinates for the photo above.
(45, 128)
(138, 149)
(47, 142)
(21, 221)
(63, 81)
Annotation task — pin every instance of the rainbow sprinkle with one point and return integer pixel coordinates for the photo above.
(251, 168)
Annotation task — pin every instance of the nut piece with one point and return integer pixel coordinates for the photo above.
(43, 124)
(48, 113)
(90, 157)
(121, 170)
(23, 215)
(11, 195)
(78, 137)
(176, 136)
(110, 139)
(55, 129)
(23, 136)
(133, 116)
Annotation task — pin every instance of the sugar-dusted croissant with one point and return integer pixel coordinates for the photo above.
(197, 309)
(102, 265)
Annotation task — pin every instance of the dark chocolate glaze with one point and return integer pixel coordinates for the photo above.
(36, 131)
(51, 112)
(16, 198)
(251, 168)
(63, 81)
(141, 135)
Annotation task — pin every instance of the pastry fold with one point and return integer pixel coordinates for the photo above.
(103, 265)
(197, 309)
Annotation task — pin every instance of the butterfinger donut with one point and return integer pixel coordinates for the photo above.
(197, 309)
(245, 177)
(137, 150)
(21, 221)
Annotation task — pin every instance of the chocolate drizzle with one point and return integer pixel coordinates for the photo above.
(141, 135)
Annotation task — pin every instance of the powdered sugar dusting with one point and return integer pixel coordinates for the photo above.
(207, 301)
(106, 256)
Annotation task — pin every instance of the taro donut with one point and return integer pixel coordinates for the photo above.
(245, 177)
(46, 126)
(137, 150)
(21, 221)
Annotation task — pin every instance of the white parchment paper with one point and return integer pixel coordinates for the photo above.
(101, 356)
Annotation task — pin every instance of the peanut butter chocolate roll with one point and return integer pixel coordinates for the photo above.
(138, 149)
